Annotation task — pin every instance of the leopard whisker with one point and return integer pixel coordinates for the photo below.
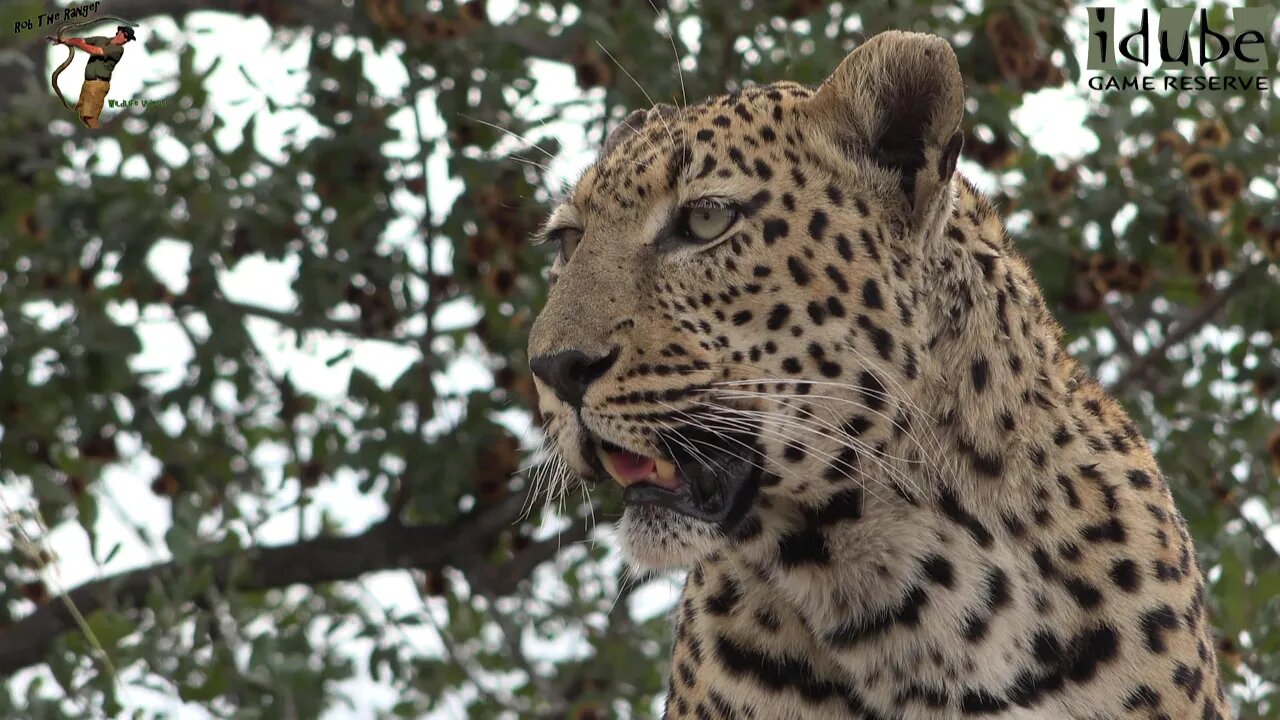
(745, 394)
(543, 468)
(686, 443)
(622, 586)
(861, 449)
(644, 92)
(859, 446)
(903, 397)
(722, 420)
(515, 135)
(728, 428)
(591, 509)
(671, 37)
(527, 161)
(839, 431)
(938, 452)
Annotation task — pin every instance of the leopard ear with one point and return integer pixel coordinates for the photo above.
(898, 100)
(632, 124)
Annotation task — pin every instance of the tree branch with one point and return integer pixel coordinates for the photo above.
(503, 579)
(293, 320)
(511, 633)
(385, 546)
(1186, 329)
(297, 322)
(1120, 332)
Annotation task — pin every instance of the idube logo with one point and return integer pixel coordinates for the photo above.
(1241, 51)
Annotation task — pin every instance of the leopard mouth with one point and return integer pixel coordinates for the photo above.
(710, 477)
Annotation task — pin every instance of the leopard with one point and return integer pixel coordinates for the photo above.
(832, 394)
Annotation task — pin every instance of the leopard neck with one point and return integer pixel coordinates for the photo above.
(993, 371)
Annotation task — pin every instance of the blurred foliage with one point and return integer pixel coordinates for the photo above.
(1156, 249)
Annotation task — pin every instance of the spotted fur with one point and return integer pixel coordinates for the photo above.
(953, 519)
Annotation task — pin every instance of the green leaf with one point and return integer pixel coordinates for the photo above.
(110, 627)
(181, 544)
(208, 686)
(111, 554)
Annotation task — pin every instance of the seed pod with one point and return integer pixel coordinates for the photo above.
(433, 583)
(1212, 133)
(1174, 230)
(1199, 168)
(168, 483)
(1082, 297)
(36, 592)
(504, 377)
(473, 15)
(30, 227)
(310, 474)
(75, 485)
(500, 281)
(1253, 227)
(1014, 50)
(1208, 200)
(101, 446)
(495, 463)
(1137, 277)
(590, 67)
(432, 28)
(1191, 257)
(1062, 183)
(480, 248)
(1231, 182)
(1264, 384)
(1271, 244)
(797, 9)
(1044, 74)
(590, 712)
(1228, 653)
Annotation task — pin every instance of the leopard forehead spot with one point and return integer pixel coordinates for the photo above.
(944, 516)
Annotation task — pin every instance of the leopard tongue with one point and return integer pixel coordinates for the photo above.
(629, 468)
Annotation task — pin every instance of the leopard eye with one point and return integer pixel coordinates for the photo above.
(568, 239)
(706, 222)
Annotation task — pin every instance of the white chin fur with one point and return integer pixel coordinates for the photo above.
(659, 539)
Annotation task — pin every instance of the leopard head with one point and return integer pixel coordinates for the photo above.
(733, 322)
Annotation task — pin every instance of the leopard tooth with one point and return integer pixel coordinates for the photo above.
(608, 465)
(666, 470)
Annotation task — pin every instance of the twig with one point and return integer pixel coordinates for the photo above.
(37, 550)
(1188, 328)
(504, 579)
(455, 657)
(511, 635)
(1120, 332)
(289, 319)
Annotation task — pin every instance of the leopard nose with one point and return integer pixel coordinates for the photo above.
(570, 372)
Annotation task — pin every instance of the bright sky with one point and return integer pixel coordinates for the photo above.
(132, 515)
